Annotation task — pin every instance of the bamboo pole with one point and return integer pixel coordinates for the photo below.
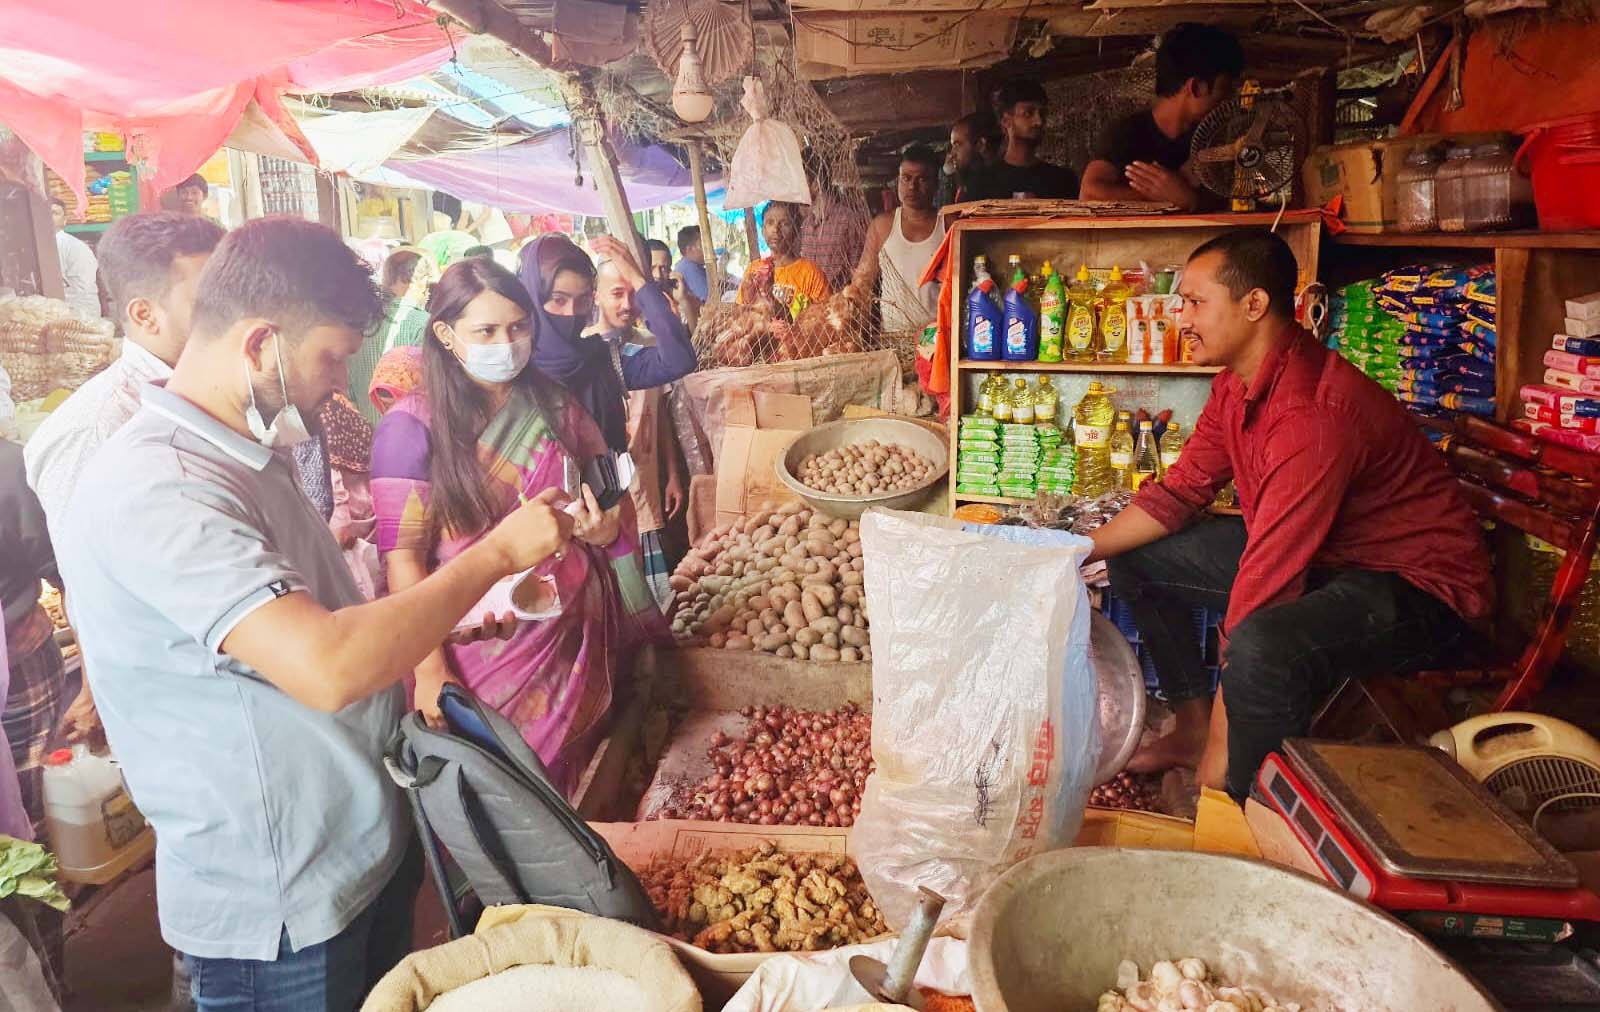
(708, 245)
(752, 234)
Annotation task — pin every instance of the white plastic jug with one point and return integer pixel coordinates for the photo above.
(95, 832)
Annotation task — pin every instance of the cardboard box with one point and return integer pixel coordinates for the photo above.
(845, 45)
(1365, 174)
(759, 426)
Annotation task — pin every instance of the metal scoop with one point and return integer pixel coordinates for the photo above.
(892, 984)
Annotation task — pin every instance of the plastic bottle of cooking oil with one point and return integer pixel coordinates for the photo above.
(1002, 400)
(1081, 343)
(1052, 317)
(1046, 403)
(1171, 446)
(1121, 453)
(1114, 318)
(1092, 436)
(986, 394)
(1146, 459)
(1021, 402)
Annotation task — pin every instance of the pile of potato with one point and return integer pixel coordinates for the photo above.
(870, 468)
(784, 581)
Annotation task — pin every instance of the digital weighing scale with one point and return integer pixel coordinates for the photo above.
(1404, 828)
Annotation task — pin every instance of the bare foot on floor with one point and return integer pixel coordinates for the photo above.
(1182, 747)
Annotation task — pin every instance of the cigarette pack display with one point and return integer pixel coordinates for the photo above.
(1584, 307)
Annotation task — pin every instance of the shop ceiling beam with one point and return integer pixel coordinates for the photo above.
(577, 88)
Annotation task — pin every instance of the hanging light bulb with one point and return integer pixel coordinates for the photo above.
(691, 99)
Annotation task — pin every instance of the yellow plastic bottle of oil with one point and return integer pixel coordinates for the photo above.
(1114, 318)
(1002, 400)
(1091, 429)
(986, 394)
(1046, 403)
(1171, 445)
(1021, 402)
(1081, 344)
(1121, 453)
(1146, 459)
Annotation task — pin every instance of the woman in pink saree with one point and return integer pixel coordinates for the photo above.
(485, 431)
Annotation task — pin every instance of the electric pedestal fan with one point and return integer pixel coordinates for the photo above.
(1245, 149)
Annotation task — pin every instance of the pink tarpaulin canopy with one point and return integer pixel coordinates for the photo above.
(174, 76)
(538, 175)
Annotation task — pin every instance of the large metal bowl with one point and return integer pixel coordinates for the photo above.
(1122, 697)
(849, 432)
(1049, 934)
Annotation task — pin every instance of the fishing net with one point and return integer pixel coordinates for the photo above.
(862, 311)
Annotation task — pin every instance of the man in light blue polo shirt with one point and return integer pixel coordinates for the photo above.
(247, 690)
(692, 262)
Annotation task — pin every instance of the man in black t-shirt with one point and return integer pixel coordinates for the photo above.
(1143, 156)
(1019, 171)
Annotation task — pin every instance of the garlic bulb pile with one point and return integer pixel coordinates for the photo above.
(1184, 985)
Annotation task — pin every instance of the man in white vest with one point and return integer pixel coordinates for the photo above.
(899, 246)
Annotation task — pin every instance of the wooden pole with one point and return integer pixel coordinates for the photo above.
(589, 122)
(752, 234)
(708, 244)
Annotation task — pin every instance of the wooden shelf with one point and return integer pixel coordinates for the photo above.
(1215, 222)
(105, 156)
(89, 226)
(1472, 240)
(993, 500)
(1173, 369)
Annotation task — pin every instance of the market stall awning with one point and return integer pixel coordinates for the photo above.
(539, 175)
(175, 76)
(358, 142)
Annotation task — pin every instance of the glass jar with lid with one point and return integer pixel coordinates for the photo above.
(1449, 190)
(1494, 193)
(1416, 209)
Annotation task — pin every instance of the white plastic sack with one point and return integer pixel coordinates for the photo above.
(984, 729)
(22, 984)
(790, 983)
(766, 164)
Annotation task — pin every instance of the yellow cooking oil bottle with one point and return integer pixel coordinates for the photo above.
(1002, 400)
(1146, 458)
(1021, 402)
(1091, 428)
(1122, 452)
(1114, 318)
(1171, 446)
(1046, 403)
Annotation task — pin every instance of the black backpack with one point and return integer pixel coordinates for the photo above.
(483, 793)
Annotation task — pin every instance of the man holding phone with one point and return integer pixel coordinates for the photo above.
(246, 688)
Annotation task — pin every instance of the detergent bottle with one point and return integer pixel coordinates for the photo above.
(1081, 317)
(1052, 317)
(1022, 323)
(1114, 318)
(985, 323)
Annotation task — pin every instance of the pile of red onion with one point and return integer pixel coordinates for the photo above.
(1129, 792)
(791, 768)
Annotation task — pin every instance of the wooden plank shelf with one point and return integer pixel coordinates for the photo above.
(105, 156)
(1160, 369)
(1471, 240)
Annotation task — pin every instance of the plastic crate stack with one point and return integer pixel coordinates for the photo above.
(1447, 350)
(1365, 334)
(978, 456)
(1207, 639)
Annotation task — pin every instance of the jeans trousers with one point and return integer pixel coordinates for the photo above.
(331, 976)
(1281, 662)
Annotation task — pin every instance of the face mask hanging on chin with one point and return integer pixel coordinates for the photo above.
(288, 428)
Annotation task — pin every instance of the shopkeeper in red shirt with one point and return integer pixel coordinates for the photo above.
(1357, 554)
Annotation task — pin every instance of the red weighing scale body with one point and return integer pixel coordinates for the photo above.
(1404, 828)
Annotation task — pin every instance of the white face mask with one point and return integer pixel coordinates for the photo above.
(497, 363)
(287, 428)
